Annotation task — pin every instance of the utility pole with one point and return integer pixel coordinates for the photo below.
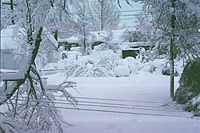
(172, 48)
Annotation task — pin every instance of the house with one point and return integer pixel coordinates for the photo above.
(134, 49)
(68, 43)
(12, 51)
(99, 37)
(9, 44)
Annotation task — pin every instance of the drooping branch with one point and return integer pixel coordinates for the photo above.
(9, 91)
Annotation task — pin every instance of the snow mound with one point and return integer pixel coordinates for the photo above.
(133, 64)
(77, 49)
(100, 47)
(122, 71)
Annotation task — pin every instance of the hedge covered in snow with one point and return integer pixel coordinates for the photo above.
(189, 90)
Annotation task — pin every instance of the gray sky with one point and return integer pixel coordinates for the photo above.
(127, 15)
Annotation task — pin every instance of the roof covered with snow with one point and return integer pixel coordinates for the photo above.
(10, 37)
(100, 35)
(71, 39)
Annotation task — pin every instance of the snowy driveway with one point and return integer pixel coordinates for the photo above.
(136, 104)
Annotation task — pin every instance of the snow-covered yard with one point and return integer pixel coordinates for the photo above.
(136, 104)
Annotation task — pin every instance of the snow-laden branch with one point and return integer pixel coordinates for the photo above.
(8, 90)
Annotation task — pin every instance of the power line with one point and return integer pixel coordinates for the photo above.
(109, 105)
(117, 112)
(122, 112)
(112, 99)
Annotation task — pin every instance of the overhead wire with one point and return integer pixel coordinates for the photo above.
(111, 105)
(119, 112)
(131, 107)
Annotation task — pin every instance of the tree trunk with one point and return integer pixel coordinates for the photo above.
(84, 42)
(172, 49)
(56, 34)
(102, 19)
(172, 69)
(12, 9)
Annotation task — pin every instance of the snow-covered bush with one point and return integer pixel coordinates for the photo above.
(83, 71)
(69, 70)
(189, 87)
(133, 36)
(50, 68)
(100, 47)
(194, 105)
(106, 63)
(122, 71)
(77, 49)
(113, 46)
(134, 65)
(149, 67)
(90, 69)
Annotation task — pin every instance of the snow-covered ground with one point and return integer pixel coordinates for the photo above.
(136, 104)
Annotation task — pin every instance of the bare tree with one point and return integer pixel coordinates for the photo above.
(105, 14)
(82, 24)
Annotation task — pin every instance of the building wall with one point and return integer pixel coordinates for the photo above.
(9, 60)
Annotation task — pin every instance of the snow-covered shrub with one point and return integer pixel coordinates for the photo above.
(194, 105)
(134, 65)
(108, 64)
(122, 71)
(100, 47)
(90, 69)
(148, 67)
(83, 71)
(113, 46)
(73, 55)
(189, 84)
(101, 72)
(77, 49)
(69, 70)
(133, 36)
(50, 68)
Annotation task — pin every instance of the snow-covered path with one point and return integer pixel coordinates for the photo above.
(144, 106)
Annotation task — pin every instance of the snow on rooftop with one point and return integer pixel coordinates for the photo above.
(71, 39)
(8, 71)
(100, 35)
(135, 44)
